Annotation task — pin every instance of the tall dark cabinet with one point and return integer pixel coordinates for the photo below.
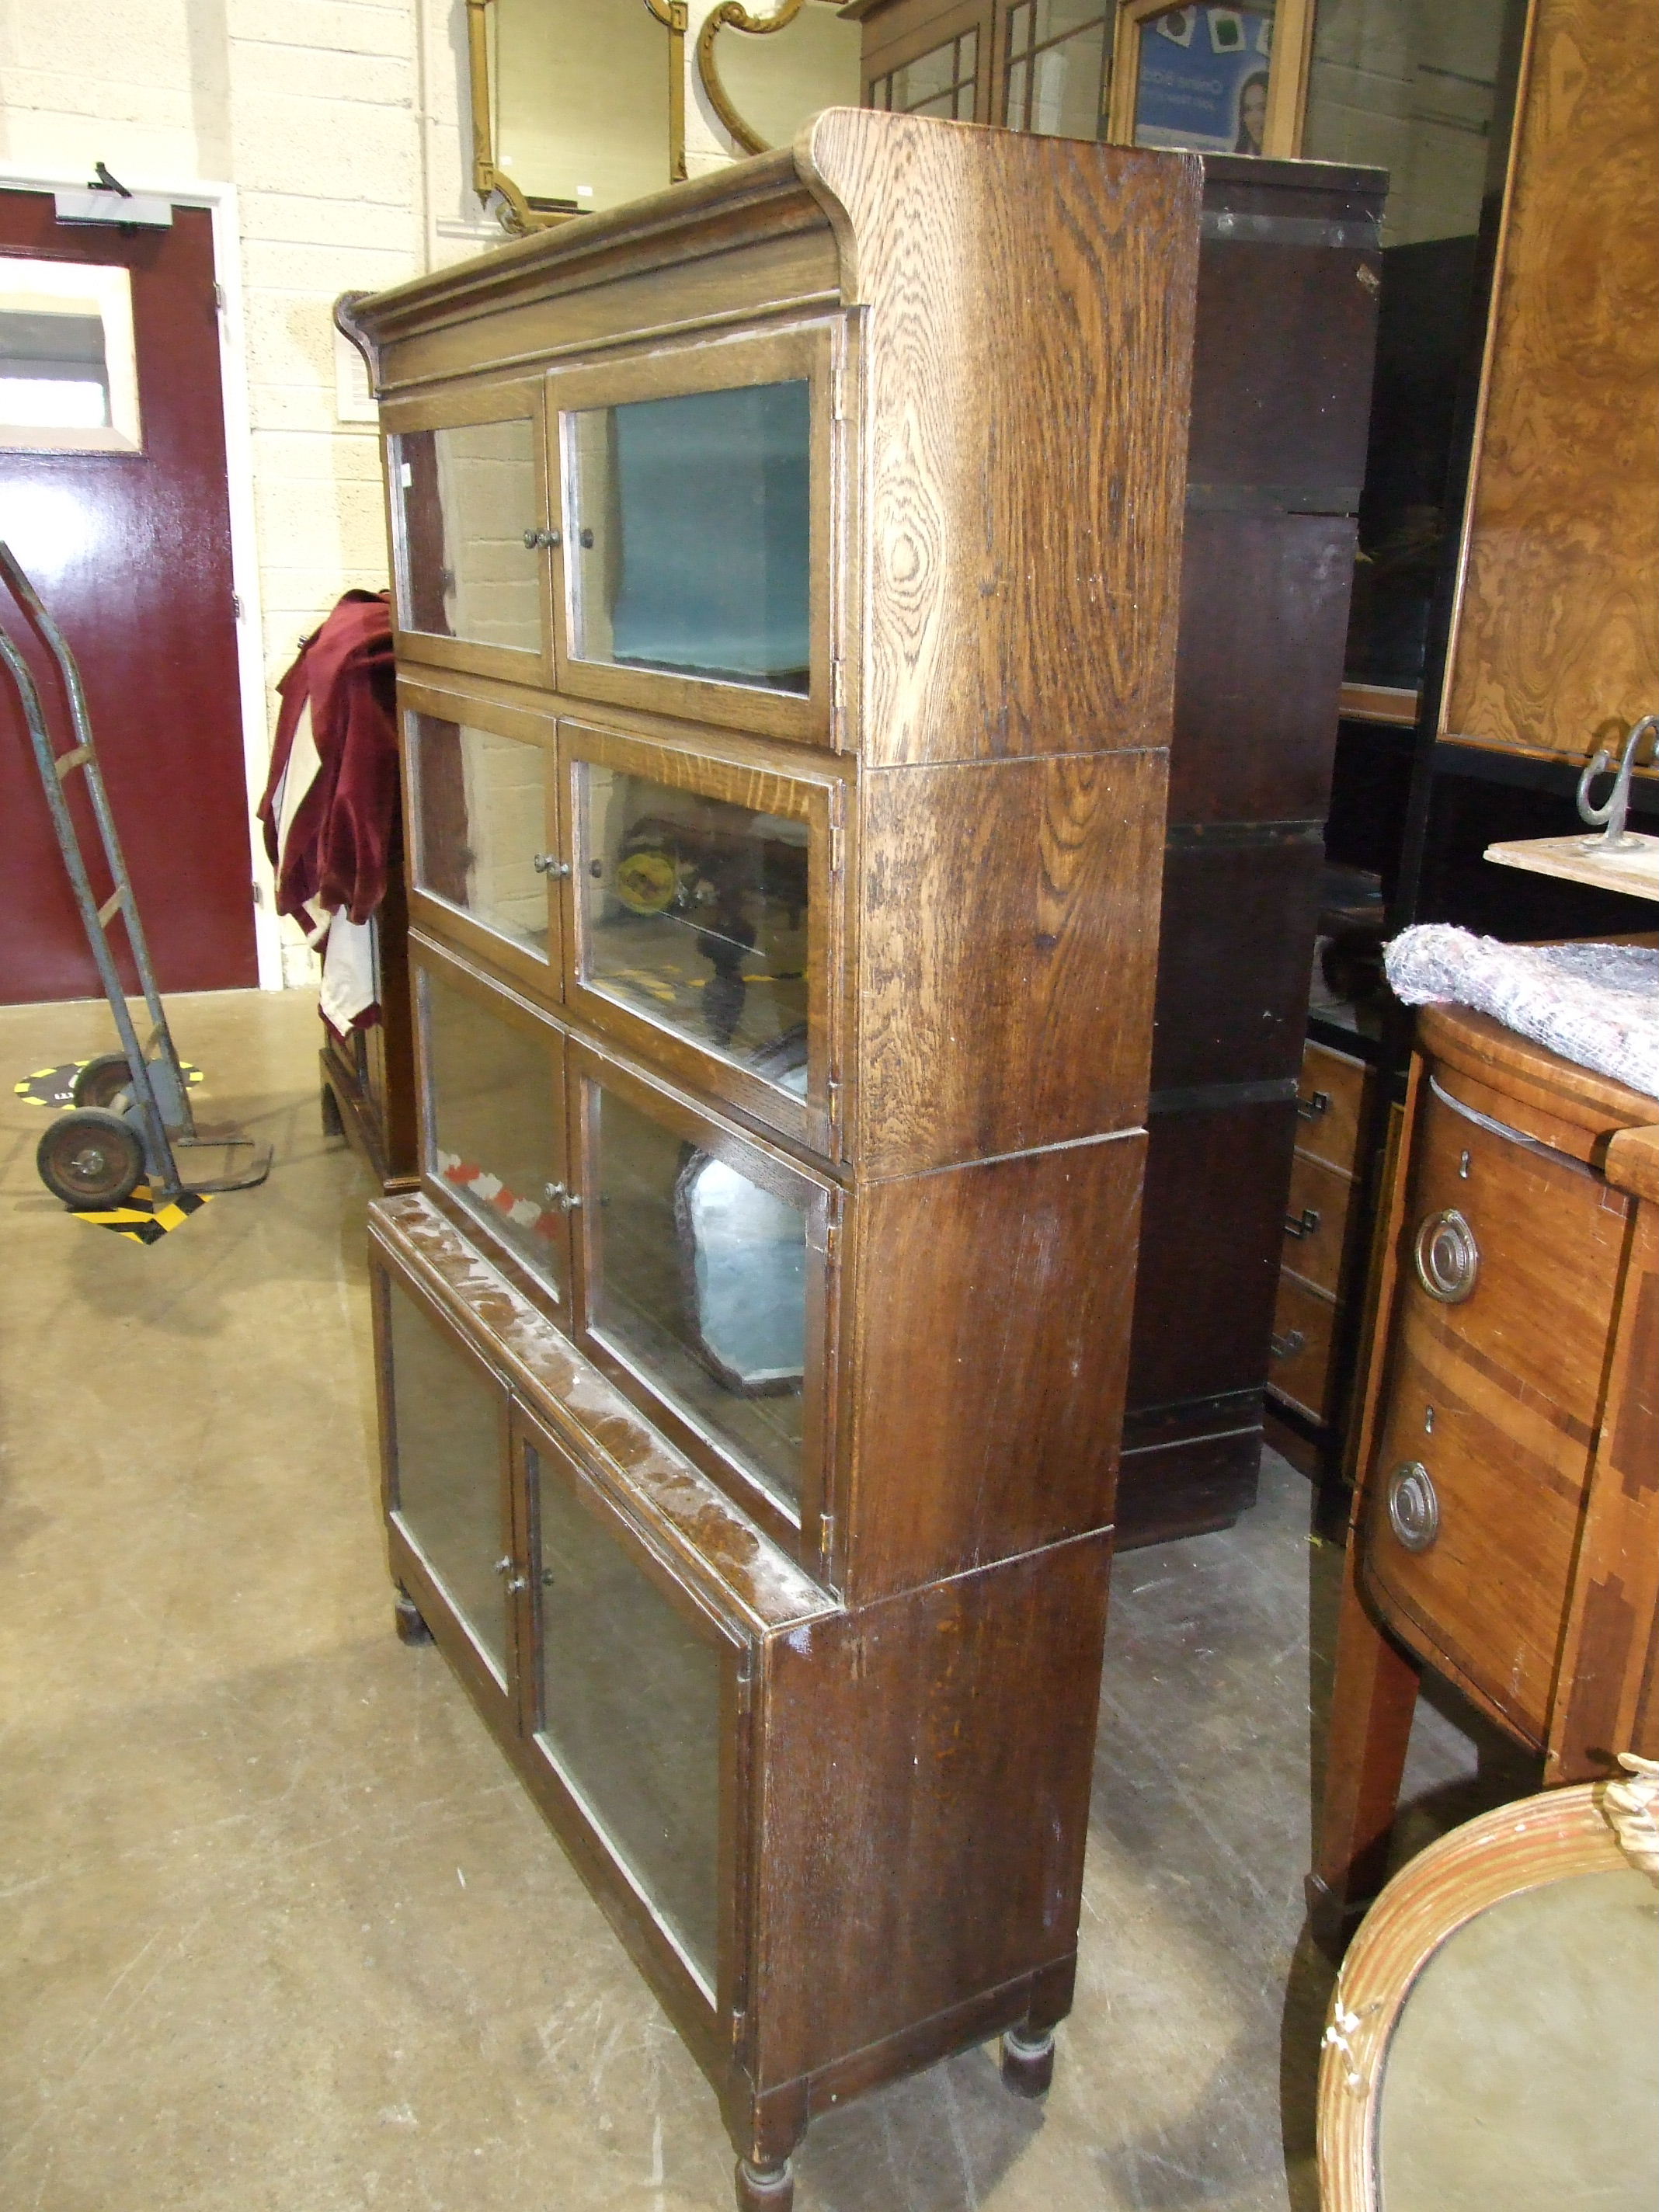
(783, 886)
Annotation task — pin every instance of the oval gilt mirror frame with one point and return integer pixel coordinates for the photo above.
(516, 213)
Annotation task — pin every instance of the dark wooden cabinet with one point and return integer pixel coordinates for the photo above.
(784, 893)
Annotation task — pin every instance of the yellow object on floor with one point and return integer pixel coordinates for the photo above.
(55, 1086)
(141, 1220)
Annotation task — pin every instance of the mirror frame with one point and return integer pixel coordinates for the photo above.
(1287, 74)
(734, 14)
(517, 216)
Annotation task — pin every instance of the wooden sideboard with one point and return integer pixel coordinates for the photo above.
(1506, 1528)
(783, 887)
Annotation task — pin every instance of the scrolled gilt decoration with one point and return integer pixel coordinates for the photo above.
(1631, 1810)
(734, 13)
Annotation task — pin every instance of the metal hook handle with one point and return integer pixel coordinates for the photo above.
(1614, 837)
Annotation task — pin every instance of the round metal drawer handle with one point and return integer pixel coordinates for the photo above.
(1448, 1258)
(1413, 1506)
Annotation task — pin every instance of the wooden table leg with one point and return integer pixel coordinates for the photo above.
(1373, 1699)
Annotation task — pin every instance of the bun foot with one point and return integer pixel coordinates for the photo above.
(1028, 2065)
(411, 1629)
(765, 2189)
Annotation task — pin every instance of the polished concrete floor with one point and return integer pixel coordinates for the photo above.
(277, 1931)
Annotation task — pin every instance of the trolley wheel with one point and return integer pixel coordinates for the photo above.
(90, 1158)
(102, 1081)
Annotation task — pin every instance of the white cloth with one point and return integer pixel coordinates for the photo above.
(351, 982)
(1596, 1005)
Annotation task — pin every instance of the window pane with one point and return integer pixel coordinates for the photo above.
(1066, 80)
(447, 1427)
(702, 1288)
(632, 1699)
(926, 78)
(469, 494)
(694, 534)
(695, 915)
(69, 378)
(491, 1122)
(480, 825)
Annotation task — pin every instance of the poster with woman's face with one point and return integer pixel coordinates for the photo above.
(1203, 79)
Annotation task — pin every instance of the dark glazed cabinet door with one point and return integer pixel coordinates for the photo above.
(696, 561)
(467, 472)
(491, 1072)
(485, 863)
(706, 1288)
(704, 922)
(635, 1710)
(445, 1434)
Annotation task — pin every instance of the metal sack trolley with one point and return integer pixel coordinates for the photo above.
(132, 1118)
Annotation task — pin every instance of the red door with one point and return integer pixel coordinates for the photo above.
(130, 550)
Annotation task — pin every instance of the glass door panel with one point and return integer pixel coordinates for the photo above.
(705, 1291)
(695, 532)
(693, 551)
(494, 1137)
(631, 1703)
(485, 863)
(468, 488)
(448, 1455)
(701, 920)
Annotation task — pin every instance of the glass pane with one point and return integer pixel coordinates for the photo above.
(695, 915)
(1066, 84)
(1431, 102)
(582, 98)
(447, 1430)
(68, 379)
(694, 534)
(1203, 78)
(929, 77)
(632, 1699)
(1016, 117)
(469, 494)
(702, 1287)
(1019, 28)
(480, 825)
(492, 1129)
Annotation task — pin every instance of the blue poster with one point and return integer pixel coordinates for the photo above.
(1204, 79)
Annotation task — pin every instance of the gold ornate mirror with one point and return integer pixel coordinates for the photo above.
(1211, 80)
(765, 73)
(576, 104)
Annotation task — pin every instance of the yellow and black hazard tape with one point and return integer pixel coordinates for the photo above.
(55, 1086)
(141, 1221)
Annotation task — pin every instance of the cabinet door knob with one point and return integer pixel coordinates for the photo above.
(533, 538)
(1447, 1257)
(549, 864)
(1413, 1506)
(565, 1200)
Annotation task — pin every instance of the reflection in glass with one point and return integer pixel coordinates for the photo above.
(938, 82)
(694, 914)
(702, 1287)
(491, 1125)
(468, 494)
(1433, 104)
(447, 1427)
(1057, 67)
(1202, 78)
(694, 534)
(632, 1699)
(580, 93)
(480, 812)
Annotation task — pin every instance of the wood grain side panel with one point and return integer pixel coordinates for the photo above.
(926, 1808)
(1557, 642)
(1614, 1606)
(991, 1313)
(1028, 609)
(1008, 937)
